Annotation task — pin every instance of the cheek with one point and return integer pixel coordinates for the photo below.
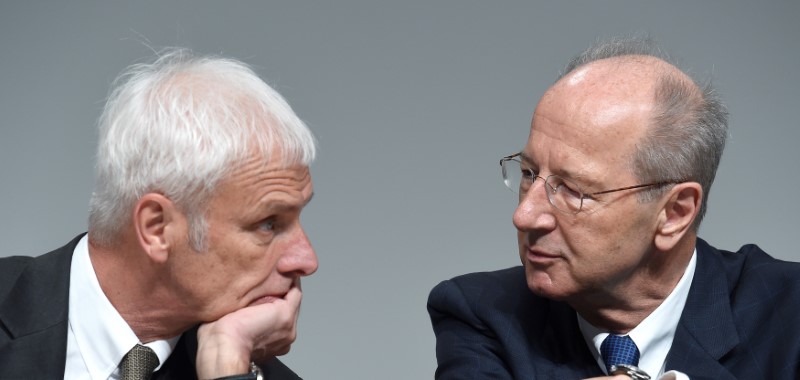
(580, 237)
(256, 261)
(609, 241)
(592, 247)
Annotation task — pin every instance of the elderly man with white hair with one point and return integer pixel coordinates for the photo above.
(192, 263)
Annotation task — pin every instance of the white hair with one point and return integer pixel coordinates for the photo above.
(177, 127)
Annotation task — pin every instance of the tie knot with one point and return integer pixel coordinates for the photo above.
(138, 363)
(619, 349)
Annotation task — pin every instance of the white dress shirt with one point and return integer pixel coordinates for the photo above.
(654, 335)
(98, 337)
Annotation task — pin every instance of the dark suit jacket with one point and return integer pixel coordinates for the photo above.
(741, 321)
(34, 298)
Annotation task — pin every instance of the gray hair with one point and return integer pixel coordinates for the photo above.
(689, 128)
(180, 125)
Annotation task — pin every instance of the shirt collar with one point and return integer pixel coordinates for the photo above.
(654, 335)
(102, 335)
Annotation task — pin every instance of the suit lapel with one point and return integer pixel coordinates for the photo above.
(569, 355)
(35, 314)
(706, 330)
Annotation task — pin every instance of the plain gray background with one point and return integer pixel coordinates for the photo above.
(413, 103)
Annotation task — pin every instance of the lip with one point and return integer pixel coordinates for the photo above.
(266, 299)
(538, 256)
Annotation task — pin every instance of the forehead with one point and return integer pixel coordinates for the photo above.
(257, 183)
(589, 123)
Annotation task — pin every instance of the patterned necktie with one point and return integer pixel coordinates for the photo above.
(619, 349)
(138, 363)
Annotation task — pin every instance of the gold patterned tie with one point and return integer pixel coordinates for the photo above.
(138, 363)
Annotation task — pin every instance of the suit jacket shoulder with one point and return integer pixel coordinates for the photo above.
(741, 319)
(34, 303)
(490, 325)
(34, 297)
(10, 269)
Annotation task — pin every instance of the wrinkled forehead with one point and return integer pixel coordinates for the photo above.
(269, 157)
(258, 175)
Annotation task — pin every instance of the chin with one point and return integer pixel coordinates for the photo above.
(542, 284)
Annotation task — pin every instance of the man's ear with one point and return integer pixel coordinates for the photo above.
(153, 218)
(678, 214)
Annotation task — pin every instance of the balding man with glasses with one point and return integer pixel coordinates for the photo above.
(613, 185)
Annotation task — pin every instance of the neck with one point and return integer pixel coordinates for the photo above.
(131, 282)
(621, 307)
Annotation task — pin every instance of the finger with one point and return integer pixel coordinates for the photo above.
(294, 296)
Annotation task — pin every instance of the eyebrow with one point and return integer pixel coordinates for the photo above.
(279, 206)
(525, 157)
(568, 174)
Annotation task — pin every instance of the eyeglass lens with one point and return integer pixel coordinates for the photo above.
(561, 193)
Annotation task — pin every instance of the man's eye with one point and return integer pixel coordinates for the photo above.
(569, 191)
(267, 225)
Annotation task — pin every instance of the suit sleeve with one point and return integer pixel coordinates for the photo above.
(275, 369)
(466, 347)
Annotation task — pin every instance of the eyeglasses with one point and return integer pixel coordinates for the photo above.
(563, 194)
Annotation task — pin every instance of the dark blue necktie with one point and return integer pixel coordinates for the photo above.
(619, 349)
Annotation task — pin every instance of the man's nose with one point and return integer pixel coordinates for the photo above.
(299, 258)
(534, 211)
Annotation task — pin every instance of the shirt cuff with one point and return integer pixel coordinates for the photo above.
(673, 375)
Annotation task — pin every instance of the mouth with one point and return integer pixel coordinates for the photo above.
(538, 256)
(275, 296)
(267, 299)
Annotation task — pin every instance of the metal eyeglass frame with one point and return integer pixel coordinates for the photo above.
(583, 195)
